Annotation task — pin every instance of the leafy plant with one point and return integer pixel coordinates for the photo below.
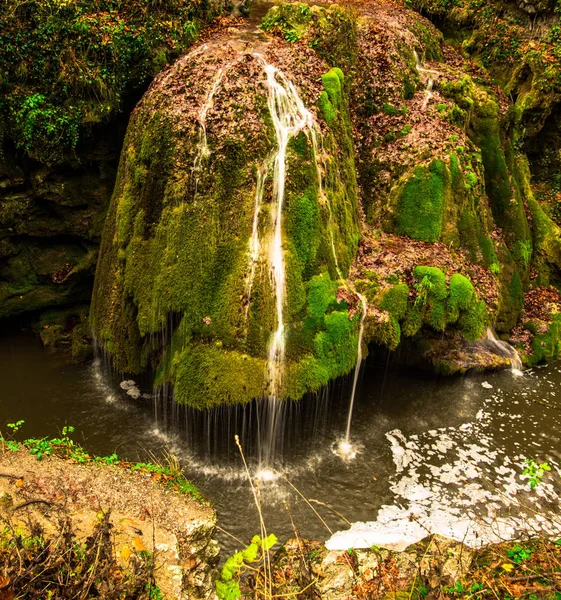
(228, 586)
(519, 554)
(15, 427)
(535, 472)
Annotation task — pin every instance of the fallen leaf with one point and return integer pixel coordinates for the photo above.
(138, 544)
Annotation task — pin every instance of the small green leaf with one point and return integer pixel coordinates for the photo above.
(269, 542)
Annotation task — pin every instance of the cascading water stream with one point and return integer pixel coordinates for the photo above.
(432, 77)
(203, 151)
(254, 244)
(289, 116)
(345, 448)
(504, 349)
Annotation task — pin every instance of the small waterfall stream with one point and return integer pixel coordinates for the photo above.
(432, 77)
(254, 243)
(203, 151)
(503, 349)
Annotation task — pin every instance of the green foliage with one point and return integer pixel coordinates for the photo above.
(535, 473)
(421, 203)
(65, 65)
(15, 427)
(228, 586)
(519, 554)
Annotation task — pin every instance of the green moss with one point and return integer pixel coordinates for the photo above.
(462, 296)
(53, 336)
(437, 279)
(409, 89)
(321, 295)
(473, 321)
(333, 82)
(388, 333)
(516, 292)
(390, 110)
(546, 347)
(331, 99)
(413, 321)
(171, 256)
(82, 349)
(421, 203)
(327, 109)
(395, 300)
(207, 375)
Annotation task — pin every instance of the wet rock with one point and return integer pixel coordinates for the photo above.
(82, 349)
(450, 354)
(127, 384)
(55, 337)
(377, 572)
(131, 389)
(338, 576)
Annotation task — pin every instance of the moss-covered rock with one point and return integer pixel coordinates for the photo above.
(177, 286)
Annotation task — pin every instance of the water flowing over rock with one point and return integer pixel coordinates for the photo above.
(220, 258)
(229, 263)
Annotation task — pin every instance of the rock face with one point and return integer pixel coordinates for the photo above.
(144, 517)
(187, 282)
(195, 280)
(195, 263)
(423, 568)
(51, 219)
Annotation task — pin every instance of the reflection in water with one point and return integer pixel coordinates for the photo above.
(431, 446)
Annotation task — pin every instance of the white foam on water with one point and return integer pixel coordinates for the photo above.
(460, 482)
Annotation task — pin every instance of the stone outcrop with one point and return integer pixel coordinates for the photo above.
(176, 530)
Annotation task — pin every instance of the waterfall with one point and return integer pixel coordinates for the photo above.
(432, 77)
(503, 349)
(203, 151)
(289, 116)
(254, 244)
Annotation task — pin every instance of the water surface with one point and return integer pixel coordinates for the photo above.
(427, 446)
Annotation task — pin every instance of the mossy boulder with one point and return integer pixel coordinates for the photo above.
(434, 303)
(183, 284)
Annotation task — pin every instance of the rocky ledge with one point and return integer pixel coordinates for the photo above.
(144, 522)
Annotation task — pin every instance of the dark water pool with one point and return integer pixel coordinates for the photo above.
(448, 451)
